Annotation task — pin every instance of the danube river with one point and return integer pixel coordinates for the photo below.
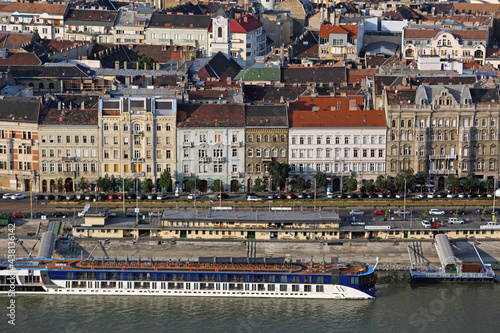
(400, 307)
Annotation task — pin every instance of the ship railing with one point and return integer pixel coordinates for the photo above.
(456, 275)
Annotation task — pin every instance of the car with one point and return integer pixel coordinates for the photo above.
(19, 214)
(435, 211)
(60, 197)
(281, 196)
(372, 195)
(151, 196)
(143, 197)
(17, 196)
(421, 196)
(111, 214)
(301, 196)
(379, 212)
(481, 195)
(39, 197)
(38, 215)
(310, 196)
(223, 196)
(80, 196)
(89, 197)
(154, 213)
(251, 195)
(271, 197)
(49, 197)
(352, 196)
(471, 195)
(120, 196)
(253, 198)
(462, 195)
(341, 196)
(192, 196)
(291, 196)
(58, 214)
(426, 224)
(71, 197)
(131, 214)
(483, 211)
(389, 195)
(102, 197)
(356, 212)
(441, 195)
(363, 195)
(489, 195)
(457, 211)
(131, 196)
(399, 195)
(161, 197)
(436, 224)
(431, 195)
(381, 195)
(452, 195)
(402, 212)
(112, 196)
(7, 195)
(455, 220)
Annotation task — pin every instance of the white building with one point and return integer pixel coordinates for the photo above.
(336, 136)
(210, 145)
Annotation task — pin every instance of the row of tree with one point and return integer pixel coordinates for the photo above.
(110, 183)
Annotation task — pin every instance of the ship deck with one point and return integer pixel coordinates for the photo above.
(190, 266)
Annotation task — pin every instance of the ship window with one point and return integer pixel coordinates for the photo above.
(283, 287)
(320, 279)
(295, 287)
(271, 279)
(295, 279)
(283, 279)
(271, 287)
(320, 289)
(307, 279)
(354, 280)
(307, 288)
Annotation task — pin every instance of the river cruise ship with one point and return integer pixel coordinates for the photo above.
(208, 276)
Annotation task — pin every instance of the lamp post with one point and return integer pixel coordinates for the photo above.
(31, 198)
(404, 201)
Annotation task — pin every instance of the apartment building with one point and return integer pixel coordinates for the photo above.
(87, 25)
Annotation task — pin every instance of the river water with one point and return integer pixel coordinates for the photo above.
(400, 307)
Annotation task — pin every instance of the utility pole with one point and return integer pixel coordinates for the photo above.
(220, 193)
(404, 208)
(123, 190)
(31, 197)
(314, 194)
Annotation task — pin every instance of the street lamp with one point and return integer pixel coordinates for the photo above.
(404, 203)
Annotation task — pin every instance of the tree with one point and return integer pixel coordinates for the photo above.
(471, 182)
(83, 184)
(369, 185)
(487, 185)
(453, 183)
(382, 183)
(350, 184)
(166, 180)
(192, 183)
(148, 185)
(399, 180)
(320, 178)
(421, 178)
(217, 186)
(258, 186)
(235, 185)
(299, 184)
(128, 183)
(150, 62)
(59, 185)
(279, 173)
(106, 183)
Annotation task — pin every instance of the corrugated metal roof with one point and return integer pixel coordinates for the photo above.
(128, 72)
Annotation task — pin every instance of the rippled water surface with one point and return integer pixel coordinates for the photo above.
(400, 307)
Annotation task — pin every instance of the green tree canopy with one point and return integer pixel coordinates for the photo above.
(258, 186)
(471, 182)
(299, 184)
(59, 185)
(106, 183)
(166, 180)
(149, 61)
(193, 183)
(351, 184)
(217, 186)
(399, 180)
(83, 184)
(320, 178)
(147, 185)
(279, 173)
(453, 183)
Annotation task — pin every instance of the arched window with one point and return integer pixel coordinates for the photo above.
(137, 127)
(257, 168)
(148, 127)
(219, 32)
(283, 138)
(266, 138)
(41, 86)
(167, 127)
(125, 128)
(250, 168)
(393, 123)
(250, 138)
(294, 140)
(266, 152)
(275, 138)
(51, 85)
(106, 126)
(283, 153)
(258, 138)
(409, 123)
(258, 153)
(115, 127)
(301, 140)
(275, 152)
(158, 127)
(250, 153)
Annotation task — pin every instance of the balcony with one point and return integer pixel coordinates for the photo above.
(68, 159)
(267, 159)
(203, 159)
(138, 160)
(134, 132)
(443, 157)
(443, 172)
(451, 157)
(235, 174)
(139, 174)
(68, 173)
(235, 144)
(187, 144)
(218, 159)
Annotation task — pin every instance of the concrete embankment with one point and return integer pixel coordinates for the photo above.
(392, 255)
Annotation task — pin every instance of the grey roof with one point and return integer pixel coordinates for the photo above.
(428, 94)
(385, 48)
(19, 109)
(128, 72)
(159, 92)
(179, 21)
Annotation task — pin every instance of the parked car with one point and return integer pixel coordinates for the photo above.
(399, 195)
(60, 197)
(457, 211)
(379, 212)
(131, 196)
(426, 224)
(452, 195)
(389, 195)
(120, 196)
(80, 196)
(223, 196)
(38, 215)
(271, 197)
(436, 224)
(341, 196)
(431, 195)
(161, 197)
(455, 220)
(310, 196)
(111, 214)
(402, 212)
(192, 196)
(131, 214)
(441, 195)
(7, 195)
(112, 196)
(435, 211)
(89, 197)
(381, 195)
(421, 196)
(356, 212)
(372, 195)
(143, 197)
(363, 195)
(471, 195)
(18, 214)
(301, 196)
(291, 196)
(462, 195)
(151, 196)
(251, 195)
(58, 214)
(17, 196)
(71, 197)
(483, 211)
(49, 197)
(155, 213)
(281, 196)
(352, 196)
(253, 198)
(39, 197)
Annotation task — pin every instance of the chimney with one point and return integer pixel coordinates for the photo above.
(124, 65)
(117, 65)
(82, 107)
(59, 106)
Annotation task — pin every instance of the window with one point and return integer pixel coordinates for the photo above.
(301, 140)
(250, 153)
(258, 138)
(283, 153)
(250, 138)
(328, 140)
(218, 137)
(346, 140)
(318, 140)
(235, 152)
(258, 153)
(106, 126)
(337, 140)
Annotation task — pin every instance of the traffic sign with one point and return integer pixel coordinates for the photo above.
(136, 210)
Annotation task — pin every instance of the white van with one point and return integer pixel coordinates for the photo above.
(454, 220)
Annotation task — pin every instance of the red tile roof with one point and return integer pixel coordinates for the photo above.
(462, 34)
(21, 59)
(333, 112)
(358, 75)
(210, 115)
(35, 8)
(239, 25)
(15, 41)
(351, 30)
